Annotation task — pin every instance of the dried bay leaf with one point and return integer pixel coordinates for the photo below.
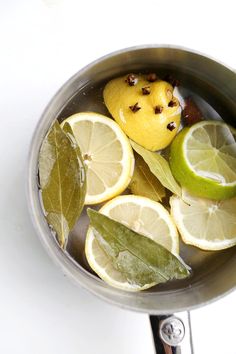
(159, 167)
(141, 260)
(62, 181)
(144, 182)
(69, 132)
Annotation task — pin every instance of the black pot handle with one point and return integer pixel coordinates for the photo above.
(172, 333)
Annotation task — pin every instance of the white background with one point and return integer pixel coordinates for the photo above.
(42, 44)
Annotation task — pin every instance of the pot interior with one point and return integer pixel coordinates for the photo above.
(213, 87)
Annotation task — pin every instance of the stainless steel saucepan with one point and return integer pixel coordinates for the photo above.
(214, 273)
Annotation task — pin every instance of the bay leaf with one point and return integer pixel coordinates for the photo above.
(62, 182)
(141, 260)
(159, 167)
(144, 182)
(69, 132)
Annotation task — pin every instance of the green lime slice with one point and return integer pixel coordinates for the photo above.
(203, 160)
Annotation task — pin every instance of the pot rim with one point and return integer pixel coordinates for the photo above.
(69, 266)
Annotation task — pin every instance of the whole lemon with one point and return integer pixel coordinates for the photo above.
(146, 110)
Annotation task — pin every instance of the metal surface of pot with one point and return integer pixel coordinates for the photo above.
(213, 272)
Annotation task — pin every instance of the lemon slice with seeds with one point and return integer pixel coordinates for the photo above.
(141, 214)
(106, 152)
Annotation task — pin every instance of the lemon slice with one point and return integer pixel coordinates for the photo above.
(203, 160)
(106, 152)
(207, 224)
(142, 215)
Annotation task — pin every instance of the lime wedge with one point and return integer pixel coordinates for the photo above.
(203, 160)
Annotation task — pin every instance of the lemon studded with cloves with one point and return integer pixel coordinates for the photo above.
(145, 108)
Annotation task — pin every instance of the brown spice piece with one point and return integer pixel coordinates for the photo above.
(171, 126)
(191, 112)
(146, 90)
(174, 82)
(158, 109)
(172, 103)
(152, 77)
(131, 80)
(135, 108)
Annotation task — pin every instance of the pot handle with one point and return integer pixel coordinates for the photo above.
(172, 333)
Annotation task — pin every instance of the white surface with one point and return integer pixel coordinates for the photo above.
(42, 44)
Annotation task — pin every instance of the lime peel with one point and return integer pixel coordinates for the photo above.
(212, 146)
